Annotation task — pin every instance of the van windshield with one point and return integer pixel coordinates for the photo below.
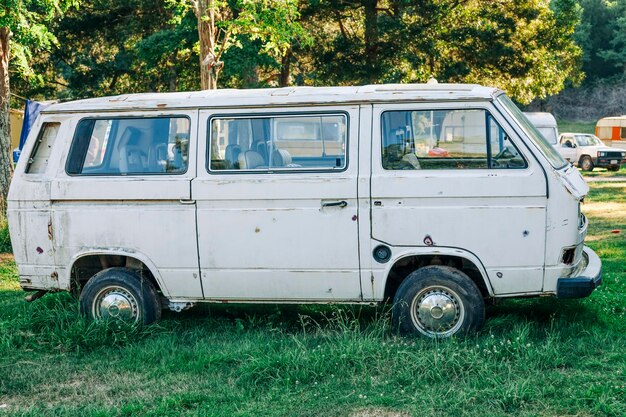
(551, 154)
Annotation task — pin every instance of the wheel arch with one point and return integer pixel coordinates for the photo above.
(96, 260)
(410, 260)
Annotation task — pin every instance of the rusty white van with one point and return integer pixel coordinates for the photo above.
(432, 197)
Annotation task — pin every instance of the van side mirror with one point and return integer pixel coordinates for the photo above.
(569, 144)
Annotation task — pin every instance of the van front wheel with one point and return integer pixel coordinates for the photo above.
(438, 302)
(120, 294)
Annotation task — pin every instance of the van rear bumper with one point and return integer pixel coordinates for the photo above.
(584, 284)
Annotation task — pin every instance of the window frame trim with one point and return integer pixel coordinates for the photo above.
(207, 156)
(488, 114)
(142, 174)
(36, 145)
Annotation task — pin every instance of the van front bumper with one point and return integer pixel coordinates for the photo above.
(584, 284)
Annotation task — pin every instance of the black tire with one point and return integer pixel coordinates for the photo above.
(613, 168)
(463, 309)
(586, 164)
(129, 297)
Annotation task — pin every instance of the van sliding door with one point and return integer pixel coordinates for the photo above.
(277, 204)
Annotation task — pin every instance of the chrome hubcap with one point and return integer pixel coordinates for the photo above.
(437, 312)
(115, 303)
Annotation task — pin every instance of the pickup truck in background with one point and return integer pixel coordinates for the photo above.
(588, 152)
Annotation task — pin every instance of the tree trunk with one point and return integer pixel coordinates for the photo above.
(6, 161)
(371, 39)
(285, 68)
(251, 76)
(210, 67)
(173, 79)
(204, 36)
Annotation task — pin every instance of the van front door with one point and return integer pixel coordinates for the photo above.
(277, 205)
(457, 176)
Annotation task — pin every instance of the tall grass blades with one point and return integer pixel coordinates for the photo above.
(5, 238)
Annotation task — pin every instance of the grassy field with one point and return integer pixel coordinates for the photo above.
(576, 127)
(535, 357)
(603, 173)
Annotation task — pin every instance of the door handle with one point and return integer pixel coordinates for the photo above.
(341, 204)
(181, 201)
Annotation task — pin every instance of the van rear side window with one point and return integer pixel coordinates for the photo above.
(38, 160)
(302, 142)
(130, 146)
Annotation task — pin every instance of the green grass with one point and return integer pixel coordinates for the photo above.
(5, 239)
(535, 357)
(604, 174)
(570, 126)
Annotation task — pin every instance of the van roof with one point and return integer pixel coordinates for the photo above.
(286, 96)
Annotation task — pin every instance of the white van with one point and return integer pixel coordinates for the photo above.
(545, 124)
(433, 197)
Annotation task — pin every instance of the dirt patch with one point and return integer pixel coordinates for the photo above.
(6, 257)
(607, 211)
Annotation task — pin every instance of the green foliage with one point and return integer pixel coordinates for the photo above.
(616, 55)
(117, 46)
(5, 238)
(273, 22)
(524, 47)
(224, 24)
(602, 36)
(28, 22)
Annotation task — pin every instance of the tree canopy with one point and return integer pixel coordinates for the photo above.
(23, 34)
(530, 48)
(602, 37)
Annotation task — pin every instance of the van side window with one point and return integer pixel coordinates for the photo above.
(303, 142)
(502, 153)
(446, 139)
(130, 146)
(38, 160)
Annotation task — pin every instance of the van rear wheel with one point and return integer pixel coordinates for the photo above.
(120, 294)
(438, 302)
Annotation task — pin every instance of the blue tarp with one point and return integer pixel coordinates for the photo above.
(31, 111)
